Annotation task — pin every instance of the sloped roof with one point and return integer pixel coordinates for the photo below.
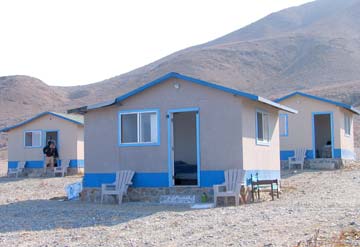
(189, 79)
(74, 118)
(343, 105)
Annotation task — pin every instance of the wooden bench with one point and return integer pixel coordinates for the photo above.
(255, 185)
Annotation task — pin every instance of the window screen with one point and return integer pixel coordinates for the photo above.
(262, 121)
(139, 128)
(347, 125)
(283, 124)
(33, 138)
(129, 128)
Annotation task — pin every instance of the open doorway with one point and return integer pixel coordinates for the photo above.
(323, 140)
(52, 136)
(184, 148)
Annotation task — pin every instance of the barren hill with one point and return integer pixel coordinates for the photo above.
(314, 47)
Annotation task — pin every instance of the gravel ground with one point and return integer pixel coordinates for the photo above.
(3, 168)
(311, 200)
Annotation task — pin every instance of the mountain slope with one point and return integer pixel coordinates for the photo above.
(314, 47)
(297, 48)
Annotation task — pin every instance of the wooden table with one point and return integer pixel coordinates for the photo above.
(270, 182)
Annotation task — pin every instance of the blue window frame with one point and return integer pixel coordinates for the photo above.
(284, 124)
(262, 128)
(32, 138)
(139, 127)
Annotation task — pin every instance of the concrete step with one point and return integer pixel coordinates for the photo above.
(177, 199)
(323, 164)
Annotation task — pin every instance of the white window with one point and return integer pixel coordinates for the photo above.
(283, 125)
(32, 139)
(138, 128)
(262, 128)
(347, 124)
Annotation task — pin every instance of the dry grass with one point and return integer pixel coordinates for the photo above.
(346, 238)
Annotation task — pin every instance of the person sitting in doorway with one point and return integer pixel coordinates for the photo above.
(51, 154)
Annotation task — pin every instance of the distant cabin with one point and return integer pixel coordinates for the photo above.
(27, 139)
(324, 127)
(180, 133)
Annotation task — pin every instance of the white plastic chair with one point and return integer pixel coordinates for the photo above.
(298, 158)
(19, 169)
(63, 168)
(234, 179)
(119, 187)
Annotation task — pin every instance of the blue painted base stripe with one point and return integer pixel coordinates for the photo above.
(286, 154)
(344, 154)
(34, 164)
(207, 178)
(12, 164)
(210, 178)
(40, 164)
(150, 180)
(28, 164)
(338, 154)
(76, 164)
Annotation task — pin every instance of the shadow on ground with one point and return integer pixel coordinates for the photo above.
(38, 215)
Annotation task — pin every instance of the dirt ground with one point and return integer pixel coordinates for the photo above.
(328, 201)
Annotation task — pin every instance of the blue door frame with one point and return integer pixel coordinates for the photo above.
(170, 134)
(331, 128)
(57, 143)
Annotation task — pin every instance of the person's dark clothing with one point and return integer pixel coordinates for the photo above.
(50, 152)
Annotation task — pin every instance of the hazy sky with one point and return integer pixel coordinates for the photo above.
(71, 42)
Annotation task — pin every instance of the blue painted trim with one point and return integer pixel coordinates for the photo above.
(198, 158)
(211, 178)
(35, 130)
(186, 78)
(40, 164)
(286, 116)
(190, 109)
(313, 114)
(170, 152)
(95, 180)
(140, 179)
(13, 164)
(157, 143)
(309, 155)
(76, 164)
(193, 80)
(345, 106)
(34, 164)
(344, 154)
(261, 143)
(150, 180)
(160, 179)
(38, 116)
(286, 154)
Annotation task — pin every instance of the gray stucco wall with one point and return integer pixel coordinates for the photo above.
(220, 130)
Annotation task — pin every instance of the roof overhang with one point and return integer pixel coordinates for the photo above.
(339, 104)
(38, 116)
(232, 91)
